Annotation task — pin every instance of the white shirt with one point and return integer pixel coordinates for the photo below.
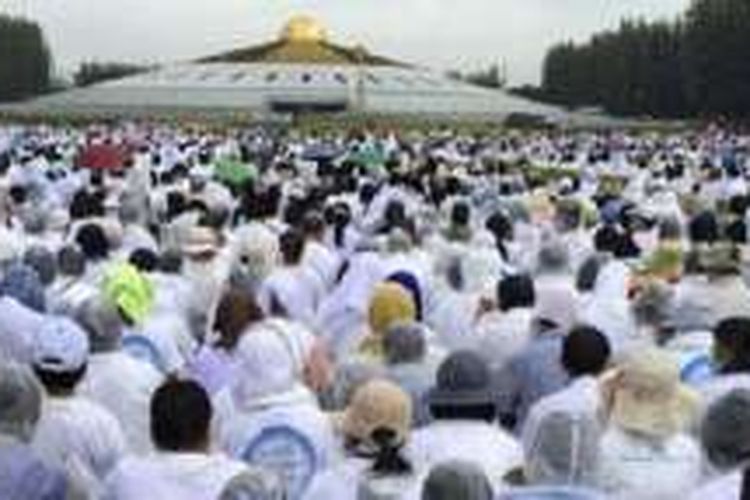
(635, 468)
(124, 386)
(76, 434)
(478, 442)
(18, 326)
(172, 476)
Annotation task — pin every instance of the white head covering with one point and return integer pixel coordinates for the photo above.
(609, 308)
(60, 346)
(265, 367)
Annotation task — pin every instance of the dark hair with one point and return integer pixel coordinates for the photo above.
(144, 260)
(313, 225)
(180, 416)
(176, 205)
(704, 228)
(607, 239)
(461, 214)
(236, 311)
(292, 246)
(734, 334)
(585, 351)
(93, 242)
(388, 457)
(516, 292)
(588, 272)
(170, 262)
(60, 384)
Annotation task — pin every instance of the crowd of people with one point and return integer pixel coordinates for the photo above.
(267, 314)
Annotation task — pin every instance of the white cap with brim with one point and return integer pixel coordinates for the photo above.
(61, 346)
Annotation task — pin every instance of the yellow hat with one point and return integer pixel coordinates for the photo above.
(391, 303)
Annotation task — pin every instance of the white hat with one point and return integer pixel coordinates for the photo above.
(649, 397)
(60, 346)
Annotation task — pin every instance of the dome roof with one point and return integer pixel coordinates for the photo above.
(303, 29)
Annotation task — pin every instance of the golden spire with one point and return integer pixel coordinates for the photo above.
(303, 29)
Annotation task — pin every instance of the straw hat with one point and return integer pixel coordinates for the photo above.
(378, 404)
(649, 398)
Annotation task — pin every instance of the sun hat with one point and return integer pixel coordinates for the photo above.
(61, 346)
(649, 397)
(463, 379)
(378, 404)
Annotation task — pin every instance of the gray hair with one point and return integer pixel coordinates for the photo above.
(653, 305)
(102, 322)
(725, 431)
(553, 256)
(20, 401)
(404, 343)
(456, 479)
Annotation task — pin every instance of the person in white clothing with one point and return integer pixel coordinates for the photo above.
(585, 356)
(73, 433)
(291, 290)
(375, 428)
(116, 380)
(725, 436)
(182, 467)
(465, 428)
(267, 416)
(645, 452)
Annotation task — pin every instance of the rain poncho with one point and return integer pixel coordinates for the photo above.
(124, 386)
(482, 443)
(609, 308)
(184, 476)
(80, 437)
(630, 466)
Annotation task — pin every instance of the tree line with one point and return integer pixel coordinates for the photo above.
(697, 65)
(25, 59)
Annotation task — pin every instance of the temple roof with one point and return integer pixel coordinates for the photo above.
(302, 40)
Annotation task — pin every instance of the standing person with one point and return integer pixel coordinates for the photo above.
(645, 452)
(73, 433)
(182, 467)
(23, 475)
(464, 426)
(375, 428)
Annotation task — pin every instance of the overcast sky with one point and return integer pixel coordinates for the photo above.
(443, 34)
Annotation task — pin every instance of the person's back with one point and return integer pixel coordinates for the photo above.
(76, 432)
(631, 466)
(182, 467)
(123, 385)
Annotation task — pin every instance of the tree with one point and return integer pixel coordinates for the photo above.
(25, 60)
(90, 73)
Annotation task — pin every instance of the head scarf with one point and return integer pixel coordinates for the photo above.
(130, 291)
(390, 304)
(22, 283)
(20, 401)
